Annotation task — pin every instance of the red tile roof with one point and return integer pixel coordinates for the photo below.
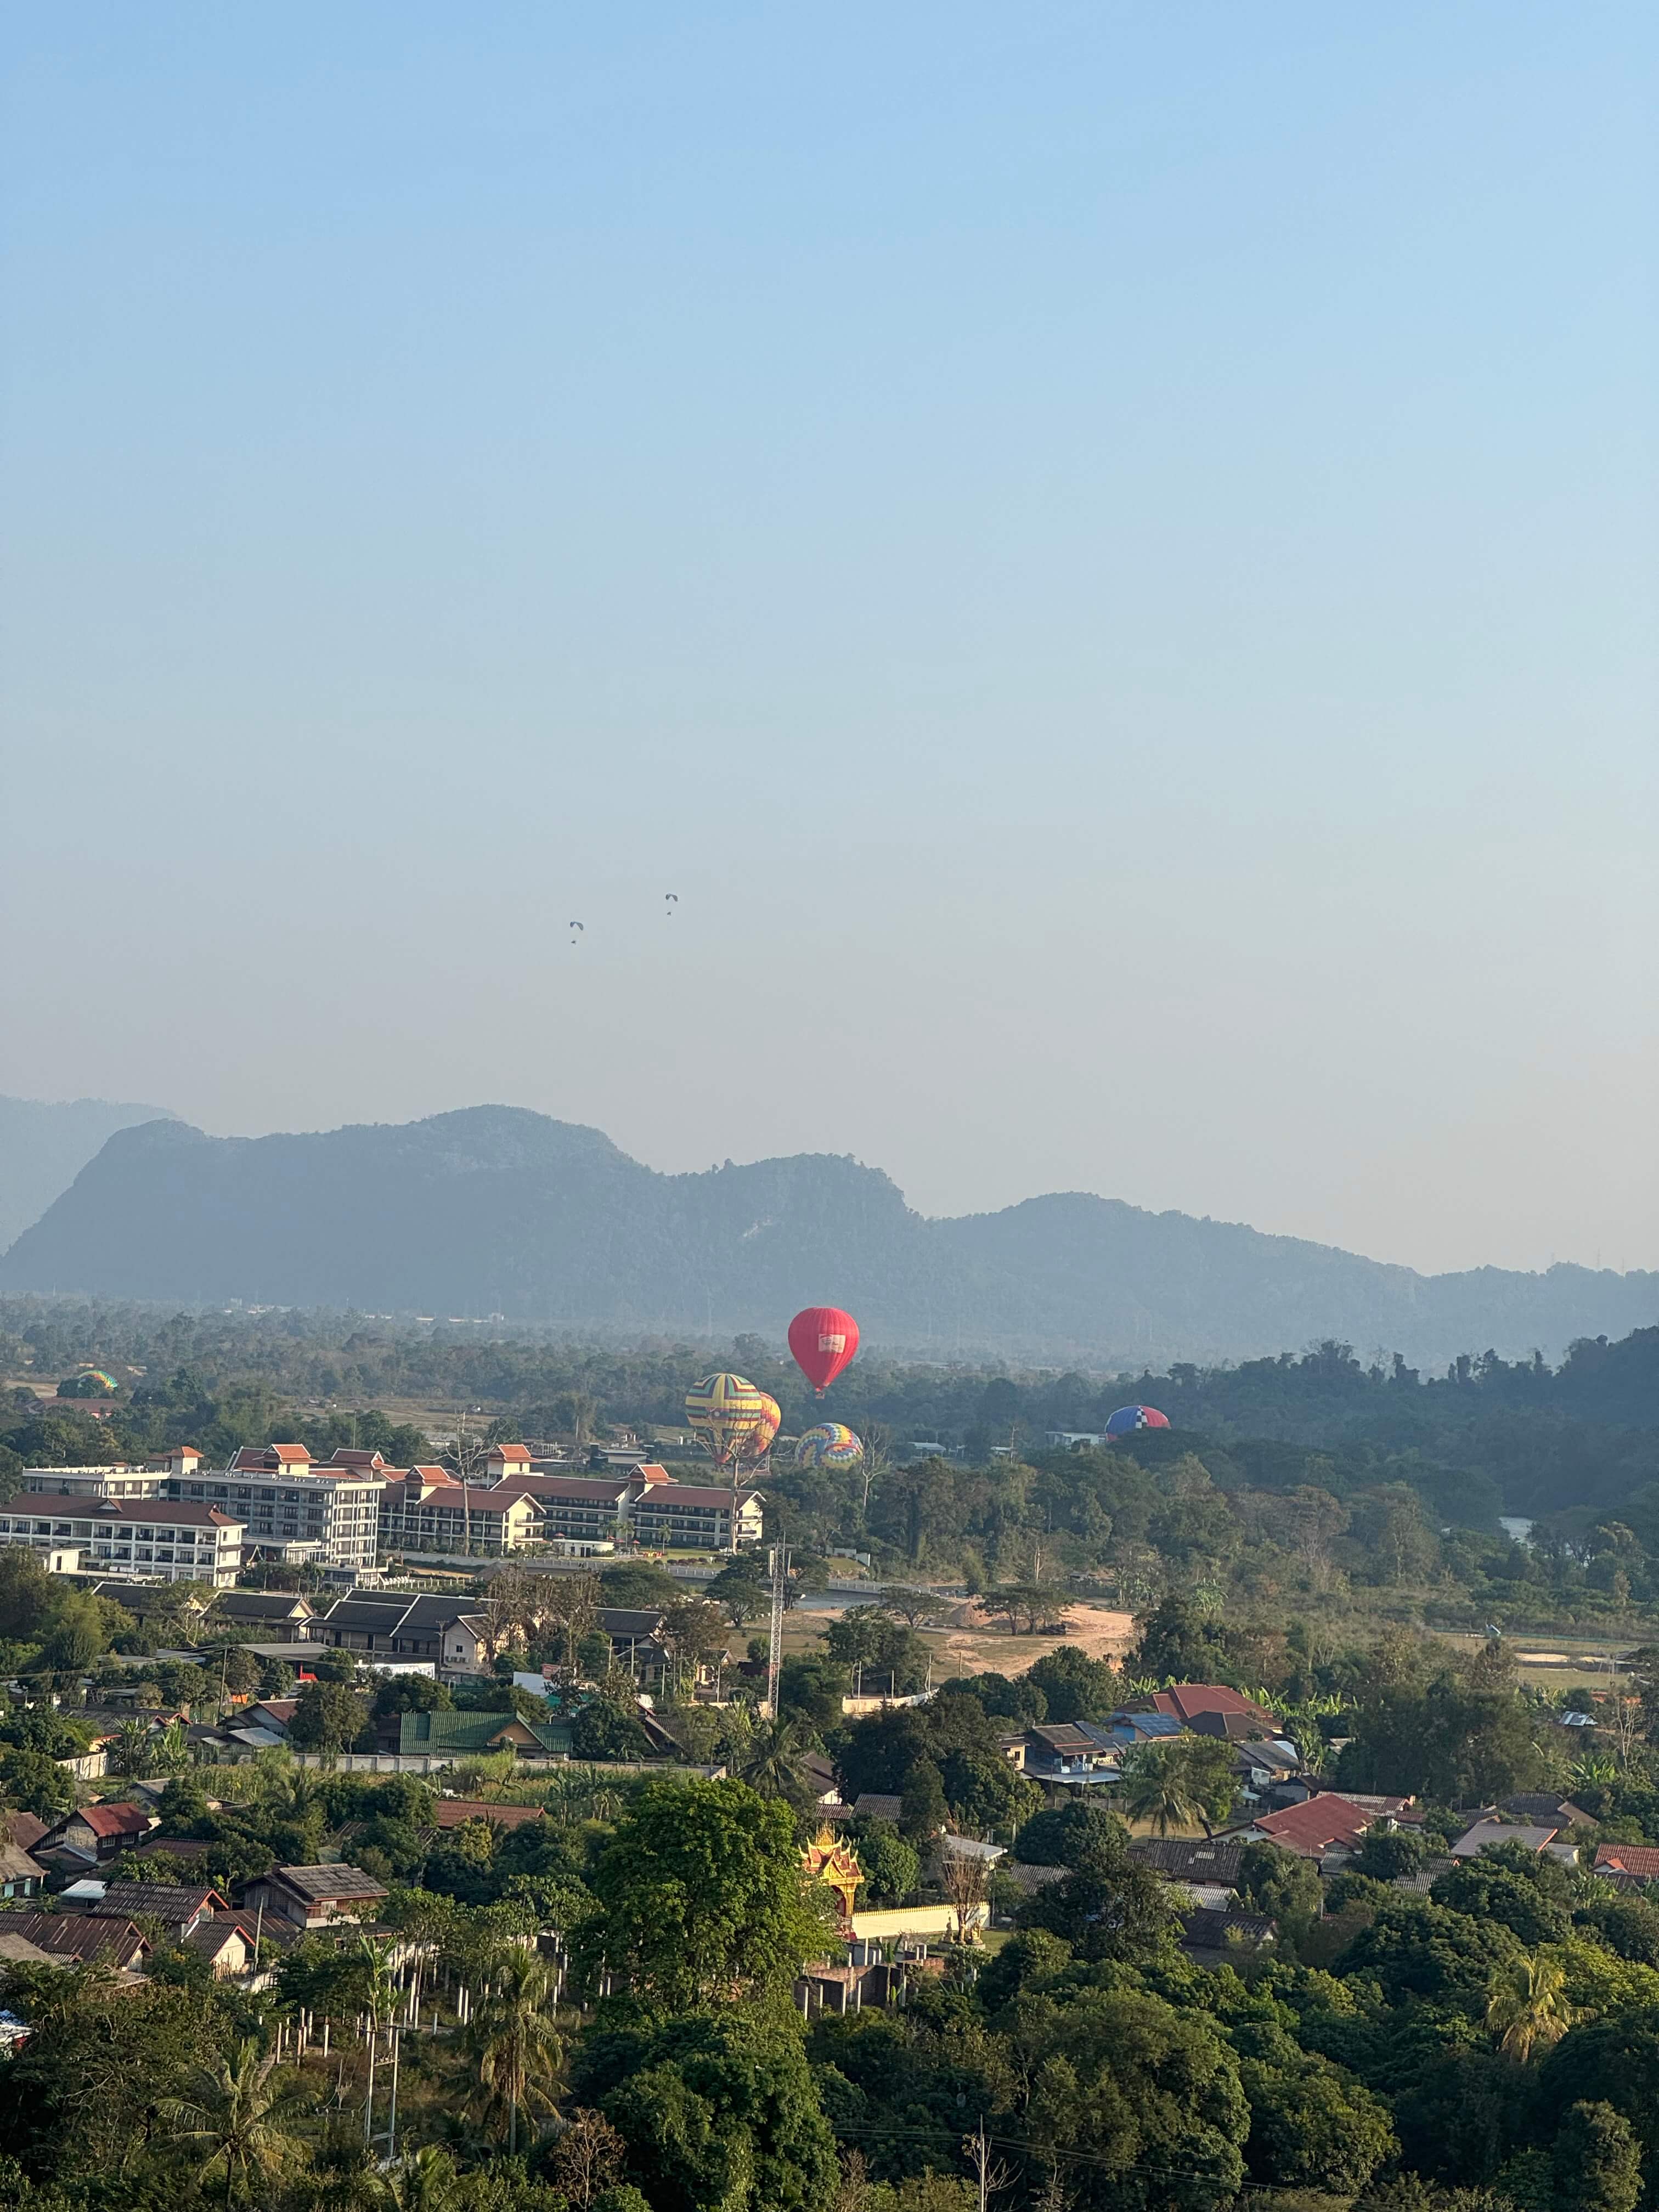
(49, 1505)
(661, 1495)
(115, 1819)
(450, 1812)
(574, 1490)
(1324, 1823)
(1186, 1701)
(1641, 1860)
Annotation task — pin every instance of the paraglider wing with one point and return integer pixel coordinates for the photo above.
(1129, 1418)
(725, 1411)
(823, 1340)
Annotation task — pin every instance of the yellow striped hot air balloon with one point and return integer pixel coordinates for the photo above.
(725, 1411)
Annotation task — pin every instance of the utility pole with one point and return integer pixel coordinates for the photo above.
(392, 2135)
(775, 1654)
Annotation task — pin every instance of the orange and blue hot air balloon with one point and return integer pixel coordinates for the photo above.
(756, 1446)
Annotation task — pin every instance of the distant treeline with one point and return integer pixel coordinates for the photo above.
(1522, 1436)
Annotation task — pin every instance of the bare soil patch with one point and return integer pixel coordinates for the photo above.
(973, 1645)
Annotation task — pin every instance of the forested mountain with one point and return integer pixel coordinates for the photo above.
(496, 1210)
(44, 1146)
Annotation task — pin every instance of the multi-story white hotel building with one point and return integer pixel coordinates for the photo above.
(147, 1538)
(291, 1509)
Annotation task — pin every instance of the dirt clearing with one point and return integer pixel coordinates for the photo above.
(971, 1645)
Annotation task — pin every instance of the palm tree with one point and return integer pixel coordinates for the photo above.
(239, 2115)
(1527, 2007)
(380, 1984)
(1594, 1771)
(771, 1763)
(1158, 1788)
(424, 2182)
(169, 1749)
(514, 2038)
(130, 1753)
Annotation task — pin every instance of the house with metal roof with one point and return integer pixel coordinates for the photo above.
(179, 1907)
(278, 1615)
(95, 1835)
(82, 1939)
(1329, 1824)
(1214, 1709)
(313, 1896)
(476, 1736)
(1071, 1754)
(450, 1632)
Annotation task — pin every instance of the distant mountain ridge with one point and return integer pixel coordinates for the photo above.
(44, 1146)
(496, 1210)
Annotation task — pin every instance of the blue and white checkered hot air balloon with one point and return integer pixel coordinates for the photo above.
(1129, 1418)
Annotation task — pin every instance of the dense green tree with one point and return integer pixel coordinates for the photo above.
(328, 1718)
(1385, 1854)
(1010, 1697)
(741, 1590)
(1180, 1643)
(1110, 1907)
(1031, 1956)
(1445, 1741)
(1066, 1835)
(716, 2110)
(1148, 2095)
(27, 1598)
(1278, 1883)
(891, 1868)
(923, 1809)
(1596, 2164)
(636, 1583)
(1075, 1686)
(809, 1689)
(1627, 1925)
(608, 1727)
(1417, 1949)
(76, 1636)
(34, 1782)
(1523, 1892)
(986, 1794)
(1311, 2125)
(699, 1897)
(1614, 2060)
(887, 1655)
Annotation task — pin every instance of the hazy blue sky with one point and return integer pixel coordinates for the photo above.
(1106, 552)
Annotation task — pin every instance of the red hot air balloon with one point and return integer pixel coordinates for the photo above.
(822, 1339)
